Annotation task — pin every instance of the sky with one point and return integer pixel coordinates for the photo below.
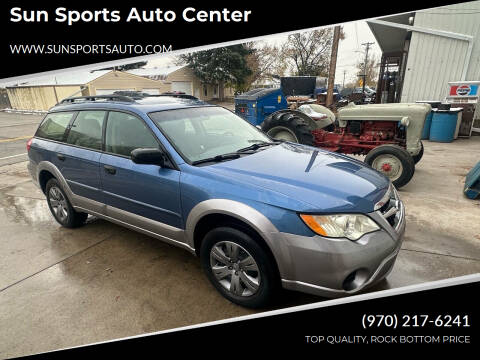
(350, 50)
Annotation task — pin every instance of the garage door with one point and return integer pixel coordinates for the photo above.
(183, 86)
(110, 91)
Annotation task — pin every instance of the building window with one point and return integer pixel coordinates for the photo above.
(205, 90)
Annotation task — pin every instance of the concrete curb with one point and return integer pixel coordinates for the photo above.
(25, 112)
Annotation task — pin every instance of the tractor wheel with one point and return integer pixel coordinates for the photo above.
(394, 162)
(418, 157)
(289, 127)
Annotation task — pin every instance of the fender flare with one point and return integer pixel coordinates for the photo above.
(245, 213)
(51, 168)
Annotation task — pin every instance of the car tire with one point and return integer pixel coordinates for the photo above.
(238, 267)
(394, 162)
(418, 157)
(288, 126)
(60, 206)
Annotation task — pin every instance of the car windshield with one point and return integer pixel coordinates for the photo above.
(207, 132)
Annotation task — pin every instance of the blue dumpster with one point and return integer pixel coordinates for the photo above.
(444, 123)
(255, 105)
(428, 119)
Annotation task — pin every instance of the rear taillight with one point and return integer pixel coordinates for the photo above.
(29, 144)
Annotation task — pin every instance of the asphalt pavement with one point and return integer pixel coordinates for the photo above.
(15, 130)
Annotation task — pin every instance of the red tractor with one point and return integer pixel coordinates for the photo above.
(388, 134)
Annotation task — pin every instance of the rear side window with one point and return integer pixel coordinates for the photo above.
(125, 133)
(54, 125)
(86, 130)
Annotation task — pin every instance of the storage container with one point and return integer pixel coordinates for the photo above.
(444, 123)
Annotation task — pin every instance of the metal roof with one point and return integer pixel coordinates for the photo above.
(65, 79)
(155, 72)
(84, 77)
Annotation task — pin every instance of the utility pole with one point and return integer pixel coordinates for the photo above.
(367, 47)
(333, 66)
(344, 73)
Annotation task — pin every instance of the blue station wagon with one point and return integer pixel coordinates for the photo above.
(261, 214)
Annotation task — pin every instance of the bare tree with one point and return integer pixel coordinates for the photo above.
(265, 61)
(371, 71)
(310, 52)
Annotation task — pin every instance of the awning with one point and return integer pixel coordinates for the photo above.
(391, 39)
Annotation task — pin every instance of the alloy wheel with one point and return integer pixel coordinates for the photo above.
(58, 203)
(234, 268)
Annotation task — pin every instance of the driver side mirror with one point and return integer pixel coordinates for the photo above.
(148, 156)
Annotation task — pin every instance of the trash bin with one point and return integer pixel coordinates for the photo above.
(444, 124)
(427, 125)
(459, 112)
(428, 119)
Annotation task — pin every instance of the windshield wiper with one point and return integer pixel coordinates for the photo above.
(236, 154)
(256, 146)
(217, 158)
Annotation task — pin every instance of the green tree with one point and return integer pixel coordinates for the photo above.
(222, 66)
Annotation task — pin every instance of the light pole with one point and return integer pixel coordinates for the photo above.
(333, 65)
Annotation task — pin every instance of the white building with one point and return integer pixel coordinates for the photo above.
(424, 50)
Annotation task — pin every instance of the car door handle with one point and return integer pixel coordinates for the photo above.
(61, 157)
(110, 169)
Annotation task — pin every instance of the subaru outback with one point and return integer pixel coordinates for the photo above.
(261, 214)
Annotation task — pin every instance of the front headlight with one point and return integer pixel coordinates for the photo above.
(351, 226)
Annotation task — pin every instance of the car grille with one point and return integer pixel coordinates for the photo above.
(389, 207)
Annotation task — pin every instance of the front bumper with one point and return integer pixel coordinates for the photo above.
(338, 267)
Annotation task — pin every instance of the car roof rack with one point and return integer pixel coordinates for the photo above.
(181, 96)
(133, 94)
(93, 98)
(138, 95)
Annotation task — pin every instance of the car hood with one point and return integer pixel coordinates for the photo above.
(322, 181)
